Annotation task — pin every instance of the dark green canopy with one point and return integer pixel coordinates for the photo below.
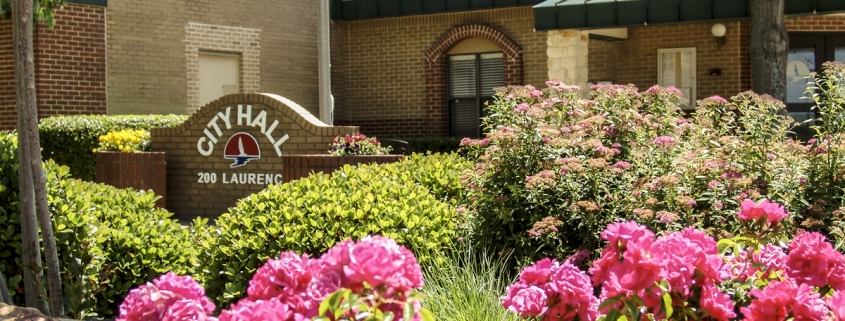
(586, 14)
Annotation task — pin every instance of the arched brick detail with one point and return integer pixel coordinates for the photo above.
(435, 70)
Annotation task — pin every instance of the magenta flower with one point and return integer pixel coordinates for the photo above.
(665, 141)
(266, 310)
(770, 211)
(716, 303)
(282, 277)
(540, 273)
(836, 303)
(813, 261)
(168, 298)
(526, 300)
(771, 303)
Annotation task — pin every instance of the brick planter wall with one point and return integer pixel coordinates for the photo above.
(299, 166)
(141, 171)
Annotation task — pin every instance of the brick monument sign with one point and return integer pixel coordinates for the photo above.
(233, 147)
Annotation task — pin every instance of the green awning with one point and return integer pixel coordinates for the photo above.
(588, 14)
(367, 9)
(99, 3)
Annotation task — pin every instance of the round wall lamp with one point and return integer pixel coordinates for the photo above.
(718, 30)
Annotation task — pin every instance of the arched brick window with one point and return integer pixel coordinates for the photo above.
(436, 77)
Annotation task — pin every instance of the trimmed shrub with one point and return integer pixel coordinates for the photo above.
(314, 213)
(108, 239)
(555, 169)
(425, 145)
(71, 140)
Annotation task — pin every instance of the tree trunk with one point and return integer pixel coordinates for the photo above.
(5, 297)
(768, 47)
(54, 279)
(22, 26)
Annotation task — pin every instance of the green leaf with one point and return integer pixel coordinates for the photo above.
(408, 311)
(667, 305)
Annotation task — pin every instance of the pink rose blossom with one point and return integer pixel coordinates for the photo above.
(282, 277)
(526, 300)
(813, 261)
(836, 303)
(751, 211)
(716, 303)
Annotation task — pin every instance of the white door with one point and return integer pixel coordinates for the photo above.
(219, 75)
(676, 68)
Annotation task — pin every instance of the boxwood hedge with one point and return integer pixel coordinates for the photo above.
(108, 239)
(408, 201)
(70, 140)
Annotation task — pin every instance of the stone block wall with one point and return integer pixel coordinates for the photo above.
(207, 186)
(70, 65)
(379, 67)
(152, 47)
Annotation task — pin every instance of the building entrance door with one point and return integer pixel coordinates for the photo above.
(807, 53)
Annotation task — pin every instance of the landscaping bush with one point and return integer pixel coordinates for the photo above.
(108, 239)
(687, 275)
(424, 145)
(314, 213)
(70, 140)
(555, 169)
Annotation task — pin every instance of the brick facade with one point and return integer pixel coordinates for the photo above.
(150, 45)
(634, 61)
(141, 171)
(70, 65)
(384, 81)
(187, 197)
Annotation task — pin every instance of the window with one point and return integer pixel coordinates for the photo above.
(676, 68)
(219, 75)
(472, 78)
(807, 53)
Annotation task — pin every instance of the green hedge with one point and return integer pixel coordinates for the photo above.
(424, 145)
(407, 201)
(108, 239)
(70, 140)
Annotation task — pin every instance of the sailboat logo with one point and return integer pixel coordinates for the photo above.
(242, 147)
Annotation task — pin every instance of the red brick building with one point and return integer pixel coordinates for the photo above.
(70, 63)
(418, 68)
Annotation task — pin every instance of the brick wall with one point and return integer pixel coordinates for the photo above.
(379, 67)
(141, 171)
(634, 61)
(831, 22)
(188, 198)
(149, 52)
(7, 77)
(70, 65)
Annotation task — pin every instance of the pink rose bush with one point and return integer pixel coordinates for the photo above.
(687, 274)
(374, 276)
(168, 298)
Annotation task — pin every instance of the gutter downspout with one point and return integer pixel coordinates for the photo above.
(324, 69)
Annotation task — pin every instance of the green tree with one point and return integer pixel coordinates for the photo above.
(33, 186)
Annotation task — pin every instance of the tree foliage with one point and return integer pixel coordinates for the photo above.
(42, 10)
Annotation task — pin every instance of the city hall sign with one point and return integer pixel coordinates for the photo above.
(233, 147)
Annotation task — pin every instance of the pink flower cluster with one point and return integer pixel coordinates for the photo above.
(634, 261)
(557, 291)
(685, 269)
(168, 298)
(293, 286)
(765, 211)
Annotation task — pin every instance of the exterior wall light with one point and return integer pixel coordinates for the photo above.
(718, 30)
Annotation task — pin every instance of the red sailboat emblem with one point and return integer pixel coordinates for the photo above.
(242, 147)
